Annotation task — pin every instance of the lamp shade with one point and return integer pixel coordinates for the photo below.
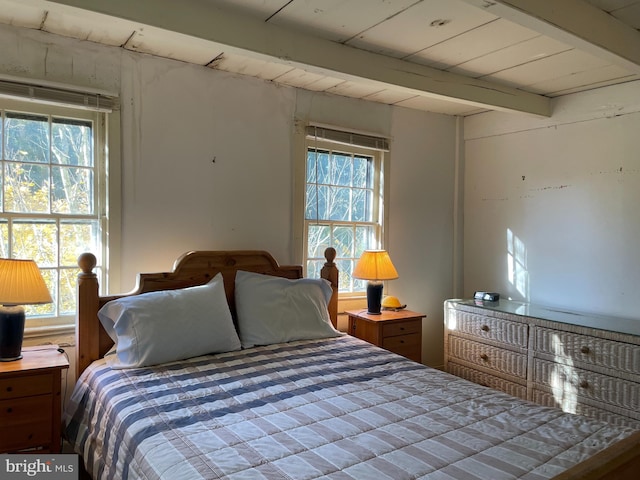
(21, 283)
(375, 265)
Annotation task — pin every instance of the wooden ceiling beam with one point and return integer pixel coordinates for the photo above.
(576, 23)
(254, 38)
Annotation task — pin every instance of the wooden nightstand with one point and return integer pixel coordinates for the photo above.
(30, 401)
(399, 332)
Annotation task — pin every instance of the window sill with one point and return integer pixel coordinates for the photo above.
(49, 331)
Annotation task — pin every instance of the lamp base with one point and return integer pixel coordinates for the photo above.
(11, 332)
(374, 298)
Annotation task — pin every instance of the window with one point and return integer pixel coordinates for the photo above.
(52, 196)
(343, 205)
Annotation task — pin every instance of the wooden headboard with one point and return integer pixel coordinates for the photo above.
(191, 269)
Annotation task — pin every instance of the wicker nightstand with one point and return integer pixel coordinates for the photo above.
(30, 401)
(399, 332)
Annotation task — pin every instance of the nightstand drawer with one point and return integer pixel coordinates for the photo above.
(19, 411)
(409, 346)
(26, 386)
(25, 422)
(401, 342)
(401, 328)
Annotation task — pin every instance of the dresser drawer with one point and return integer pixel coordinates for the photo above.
(25, 386)
(568, 384)
(401, 328)
(26, 422)
(488, 357)
(488, 380)
(588, 350)
(489, 328)
(603, 412)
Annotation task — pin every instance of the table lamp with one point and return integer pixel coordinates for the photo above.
(375, 266)
(21, 283)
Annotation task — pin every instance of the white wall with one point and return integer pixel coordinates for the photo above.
(421, 219)
(558, 198)
(176, 118)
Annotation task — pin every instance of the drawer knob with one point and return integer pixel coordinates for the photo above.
(9, 389)
(484, 328)
(585, 350)
(484, 357)
(9, 410)
(584, 384)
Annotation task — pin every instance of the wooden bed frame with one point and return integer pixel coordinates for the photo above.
(618, 462)
(191, 269)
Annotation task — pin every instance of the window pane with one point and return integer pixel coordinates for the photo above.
(311, 166)
(51, 280)
(71, 143)
(341, 170)
(324, 202)
(75, 238)
(36, 240)
(345, 281)
(72, 190)
(67, 293)
(340, 204)
(343, 241)
(318, 239)
(27, 138)
(314, 267)
(360, 211)
(322, 159)
(359, 285)
(311, 206)
(361, 169)
(364, 238)
(26, 188)
(4, 238)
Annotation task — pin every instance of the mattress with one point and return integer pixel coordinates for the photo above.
(335, 408)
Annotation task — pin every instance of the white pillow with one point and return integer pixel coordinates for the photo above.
(169, 325)
(276, 310)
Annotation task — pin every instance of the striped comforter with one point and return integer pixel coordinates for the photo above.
(336, 408)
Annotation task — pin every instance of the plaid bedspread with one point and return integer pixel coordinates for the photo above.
(336, 408)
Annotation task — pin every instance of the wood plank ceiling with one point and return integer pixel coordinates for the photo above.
(456, 57)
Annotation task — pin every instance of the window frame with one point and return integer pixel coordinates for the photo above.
(381, 157)
(104, 144)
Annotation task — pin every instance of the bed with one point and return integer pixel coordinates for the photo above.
(326, 406)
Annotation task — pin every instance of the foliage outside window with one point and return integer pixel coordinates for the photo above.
(50, 202)
(343, 206)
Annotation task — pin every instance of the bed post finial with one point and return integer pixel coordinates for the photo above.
(330, 272)
(87, 262)
(87, 344)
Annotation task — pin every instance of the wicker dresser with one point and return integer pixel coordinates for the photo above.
(554, 358)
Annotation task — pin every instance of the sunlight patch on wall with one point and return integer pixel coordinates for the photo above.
(517, 272)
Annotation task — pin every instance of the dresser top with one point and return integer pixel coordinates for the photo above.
(616, 324)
